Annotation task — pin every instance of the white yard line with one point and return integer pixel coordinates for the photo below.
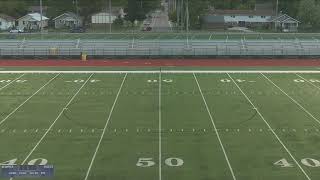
(293, 100)
(53, 123)
(271, 129)
(163, 72)
(308, 81)
(11, 82)
(160, 128)
(104, 129)
(215, 128)
(3, 120)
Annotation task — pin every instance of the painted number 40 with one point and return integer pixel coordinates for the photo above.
(309, 162)
(148, 162)
(38, 161)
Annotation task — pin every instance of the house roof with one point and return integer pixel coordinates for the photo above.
(242, 12)
(69, 14)
(6, 17)
(284, 18)
(35, 17)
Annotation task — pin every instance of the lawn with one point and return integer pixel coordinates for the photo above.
(163, 125)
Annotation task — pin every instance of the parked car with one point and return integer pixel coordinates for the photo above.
(16, 31)
(77, 30)
(147, 28)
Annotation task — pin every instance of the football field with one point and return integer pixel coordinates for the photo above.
(163, 125)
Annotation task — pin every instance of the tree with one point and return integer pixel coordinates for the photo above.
(309, 13)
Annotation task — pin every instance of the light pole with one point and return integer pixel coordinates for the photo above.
(110, 8)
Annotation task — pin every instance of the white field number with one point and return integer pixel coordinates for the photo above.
(303, 81)
(37, 161)
(229, 80)
(309, 162)
(148, 162)
(82, 81)
(156, 81)
(17, 81)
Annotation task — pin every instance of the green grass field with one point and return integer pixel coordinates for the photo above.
(163, 126)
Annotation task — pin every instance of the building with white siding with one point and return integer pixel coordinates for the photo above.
(6, 22)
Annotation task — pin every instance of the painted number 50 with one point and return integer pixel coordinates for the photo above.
(148, 162)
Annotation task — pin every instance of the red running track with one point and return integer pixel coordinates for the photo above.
(164, 62)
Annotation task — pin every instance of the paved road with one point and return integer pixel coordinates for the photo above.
(160, 20)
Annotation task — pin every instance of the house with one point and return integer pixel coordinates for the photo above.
(32, 21)
(67, 20)
(259, 16)
(285, 23)
(105, 16)
(242, 18)
(6, 22)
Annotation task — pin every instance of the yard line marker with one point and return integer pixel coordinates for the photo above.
(105, 128)
(11, 82)
(160, 135)
(215, 128)
(308, 81)
(3, 120)
(293, 100)
(53, 123)
(271, 129)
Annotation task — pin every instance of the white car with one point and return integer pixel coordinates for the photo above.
(16, 31)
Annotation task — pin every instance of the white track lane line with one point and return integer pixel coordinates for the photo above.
(160, 128)
(3, 120)
(271, 129)
(53, 123)
(163, 72)
(104, 129)
(215, 128)
(11, 82)
(293, 100)
(308, 81)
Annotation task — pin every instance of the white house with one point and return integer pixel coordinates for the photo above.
(6, 22)
(285, 23)
(106, 16)
(67, 20)
(32, 21)
(244, 17)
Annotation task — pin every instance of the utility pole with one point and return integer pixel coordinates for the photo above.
(277, 9)
(187, 13)
(41, 25)
(178, 13)
(77, 8)
(182, 20)
(110, 8)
